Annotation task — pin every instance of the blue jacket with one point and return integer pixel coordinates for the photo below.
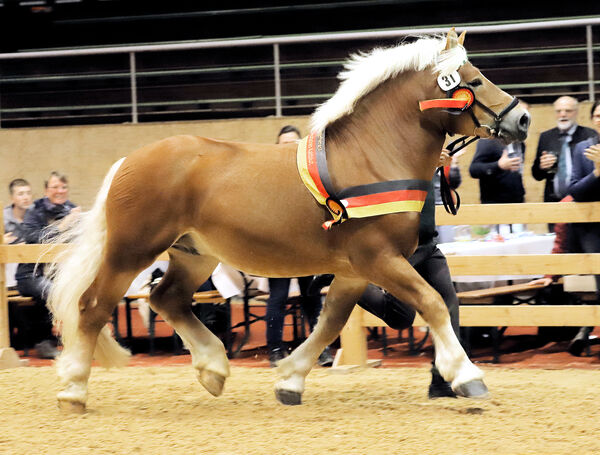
(585, 186)
(37, 228)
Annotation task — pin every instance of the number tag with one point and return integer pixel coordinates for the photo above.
(449, 81)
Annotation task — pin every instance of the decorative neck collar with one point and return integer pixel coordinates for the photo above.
(356, 201)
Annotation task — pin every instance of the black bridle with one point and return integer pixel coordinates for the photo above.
(462, 92)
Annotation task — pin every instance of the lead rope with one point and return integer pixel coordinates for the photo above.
(445, 190)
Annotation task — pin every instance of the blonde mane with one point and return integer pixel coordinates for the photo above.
(364, 72)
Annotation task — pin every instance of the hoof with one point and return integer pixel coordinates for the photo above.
(71, 407)
(288, 398)
(212, 382)
(472, 389)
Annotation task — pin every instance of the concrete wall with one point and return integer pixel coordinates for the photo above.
(85, 153)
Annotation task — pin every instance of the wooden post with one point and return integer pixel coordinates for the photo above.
(8, 356)
(353, 353)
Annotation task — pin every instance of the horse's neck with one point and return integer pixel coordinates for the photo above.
(383, 140)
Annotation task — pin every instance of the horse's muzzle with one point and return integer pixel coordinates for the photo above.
(523, 126)
(514, 127)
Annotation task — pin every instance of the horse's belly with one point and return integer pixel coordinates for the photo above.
(269, 257)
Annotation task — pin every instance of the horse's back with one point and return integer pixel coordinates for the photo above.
(192, 181)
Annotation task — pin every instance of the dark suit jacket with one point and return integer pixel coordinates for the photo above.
(496, 185)
(585, 186)
(550, 141)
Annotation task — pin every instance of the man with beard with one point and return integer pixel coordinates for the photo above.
(554, 158)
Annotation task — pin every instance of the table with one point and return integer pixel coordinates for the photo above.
(521, 244)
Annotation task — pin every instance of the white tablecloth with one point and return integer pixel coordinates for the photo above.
(10, 271)
(532, 244)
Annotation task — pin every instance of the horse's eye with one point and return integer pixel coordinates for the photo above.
(475, 83)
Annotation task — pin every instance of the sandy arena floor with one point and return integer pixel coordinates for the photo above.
(158, 410)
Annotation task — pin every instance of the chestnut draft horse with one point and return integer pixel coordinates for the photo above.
(205, 201)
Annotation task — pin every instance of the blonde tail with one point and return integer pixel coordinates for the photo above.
(74, 270)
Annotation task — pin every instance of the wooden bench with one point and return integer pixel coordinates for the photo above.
(13, 296)
(488, 295)
(509, 294)
(16, 303)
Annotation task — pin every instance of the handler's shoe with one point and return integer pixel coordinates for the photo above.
(579, 343)
(325, 359)
(439, 388)
(275, 355)
(46, 350)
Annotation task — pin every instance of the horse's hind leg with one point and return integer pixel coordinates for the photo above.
(401, 280)
(341, 298)
(172, 299)
(95, 310)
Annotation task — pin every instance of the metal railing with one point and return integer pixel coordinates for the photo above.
(121, 91)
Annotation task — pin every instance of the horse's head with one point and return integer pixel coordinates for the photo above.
(476, 106)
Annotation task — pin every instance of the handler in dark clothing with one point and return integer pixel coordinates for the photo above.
(43, 221)
(499, 168)
(431, 264)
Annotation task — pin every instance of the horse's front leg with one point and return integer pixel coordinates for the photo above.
(398, 277)
(341, 298)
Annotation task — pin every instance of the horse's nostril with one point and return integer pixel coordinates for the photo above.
(524, 122)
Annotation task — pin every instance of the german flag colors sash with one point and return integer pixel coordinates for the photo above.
(356, 201)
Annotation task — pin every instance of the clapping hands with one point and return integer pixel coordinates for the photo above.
(592, 153)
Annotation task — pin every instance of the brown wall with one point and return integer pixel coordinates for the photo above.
(85, 153)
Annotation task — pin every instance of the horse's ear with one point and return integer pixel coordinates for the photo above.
(451, 39)
(461, 38)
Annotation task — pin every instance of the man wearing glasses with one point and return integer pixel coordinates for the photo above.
(44, 220)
